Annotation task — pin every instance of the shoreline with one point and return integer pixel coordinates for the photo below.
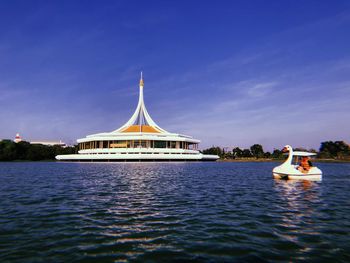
(265, 160)
(243, 160)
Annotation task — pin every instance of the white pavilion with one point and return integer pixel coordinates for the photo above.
(139, 139)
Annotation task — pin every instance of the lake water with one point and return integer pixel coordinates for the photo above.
(171, 212)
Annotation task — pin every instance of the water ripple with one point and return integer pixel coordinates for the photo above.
(171, 212)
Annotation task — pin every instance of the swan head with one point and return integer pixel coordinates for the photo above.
(287, 148)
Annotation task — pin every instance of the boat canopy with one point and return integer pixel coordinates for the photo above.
(303, 154)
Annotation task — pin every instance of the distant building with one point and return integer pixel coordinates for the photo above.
(50, 143)
(47, 143)
(139, 139)
(17, 138)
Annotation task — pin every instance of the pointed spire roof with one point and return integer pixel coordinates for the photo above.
(141, 81)
(141, 121)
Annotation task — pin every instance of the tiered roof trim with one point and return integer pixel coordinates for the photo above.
(140, 121)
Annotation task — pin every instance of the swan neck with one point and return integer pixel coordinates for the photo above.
(290, 157)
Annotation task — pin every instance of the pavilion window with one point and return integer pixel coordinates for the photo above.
(140, 144)
(118, 144)
(160, 144)
(192, 146)
(105, 144)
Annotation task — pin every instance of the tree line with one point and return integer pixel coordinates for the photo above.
(11, 151)
(328, 150)
(24, 151)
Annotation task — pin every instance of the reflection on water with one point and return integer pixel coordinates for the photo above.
(202, 212)
(294, 190)
(300, 198)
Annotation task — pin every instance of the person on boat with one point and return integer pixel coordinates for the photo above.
(305, 164)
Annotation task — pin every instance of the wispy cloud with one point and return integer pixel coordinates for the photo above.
(261, 89)
(289, 85)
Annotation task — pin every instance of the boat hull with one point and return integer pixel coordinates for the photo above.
(135, 157)
(311, 177)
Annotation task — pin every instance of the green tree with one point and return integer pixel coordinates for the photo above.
(337, 149)
(22, 150)
(214, 150)
(257, 151)
(267, 155)
(277, 154)
(246, 153)
(7, 150)
(237, 152)
(10, 151)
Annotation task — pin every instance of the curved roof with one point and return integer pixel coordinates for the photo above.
(140, 121)
(139, 126)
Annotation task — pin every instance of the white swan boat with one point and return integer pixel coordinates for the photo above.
(289, 170)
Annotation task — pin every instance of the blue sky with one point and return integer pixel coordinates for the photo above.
(231, 73)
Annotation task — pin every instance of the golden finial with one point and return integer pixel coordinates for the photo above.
(141, 80)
